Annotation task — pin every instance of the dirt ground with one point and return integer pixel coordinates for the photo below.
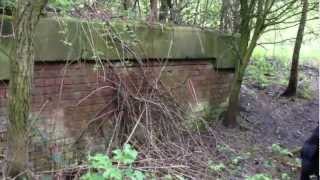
(267, 119)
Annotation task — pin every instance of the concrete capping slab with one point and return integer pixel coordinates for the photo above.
(69, 39)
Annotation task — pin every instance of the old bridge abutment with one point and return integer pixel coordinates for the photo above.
(76, 61)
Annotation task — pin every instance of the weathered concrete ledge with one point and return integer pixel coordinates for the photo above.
(64, 39)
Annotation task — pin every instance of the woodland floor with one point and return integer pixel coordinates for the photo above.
(267, 119)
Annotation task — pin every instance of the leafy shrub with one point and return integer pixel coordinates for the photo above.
(61, 4)
(217, 167)
(285, 176)
(203, 115)
(282, 151)
(101, 166)
(304, 89)
(265, 68)
(259, 177)
(8, 3)
(259, 71)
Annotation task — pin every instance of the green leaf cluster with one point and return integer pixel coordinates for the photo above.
(282, 151)
(260, 71)
(103, 168)
(260, 177)
(8, 3)
(62, 4)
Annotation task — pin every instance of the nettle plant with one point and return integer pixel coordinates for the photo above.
(118, 167)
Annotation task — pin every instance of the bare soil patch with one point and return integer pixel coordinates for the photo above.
(268, 119)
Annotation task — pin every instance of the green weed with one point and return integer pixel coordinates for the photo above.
(304, 89)
(260, 71)
(101, 167)
(259, 177)
(216, 167)
(64, 5)
(204, 115)
(276, 148)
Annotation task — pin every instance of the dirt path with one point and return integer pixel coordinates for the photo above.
(275, 119)
(267, 119)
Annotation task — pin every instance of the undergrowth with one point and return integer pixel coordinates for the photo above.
(205, 116)
(102, 167)
(279, 163)
(264, 71)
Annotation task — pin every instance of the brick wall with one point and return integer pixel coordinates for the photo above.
(66, 97)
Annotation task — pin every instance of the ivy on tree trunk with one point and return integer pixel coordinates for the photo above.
(246, 46)
(21, 65)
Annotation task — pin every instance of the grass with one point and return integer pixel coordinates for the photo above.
(271, 62)
(309, 53)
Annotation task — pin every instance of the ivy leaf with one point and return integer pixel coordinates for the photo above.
(113, 173)
(100, 161)
(138, 175)
(127, 156)
(90, 176)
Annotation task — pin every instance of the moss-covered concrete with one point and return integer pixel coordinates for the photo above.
(64, 39)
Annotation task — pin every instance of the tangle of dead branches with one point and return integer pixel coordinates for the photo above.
(147, 115)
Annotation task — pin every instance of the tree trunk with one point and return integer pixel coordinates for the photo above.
(229, 16)
(230, 118)
(247, 46)
(293, 80)
(197, 13)
(127, 4)
(164, 10)
(153, 11)
(26, 17)
(224, 18)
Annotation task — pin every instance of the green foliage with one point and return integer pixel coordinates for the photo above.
(217, 167)
(8, 3)
(285, 176)
(304, 87)
(238, 159)
(297, 162)
(125, 156)
(260, 70)
(280, 150)
(204, 115)
(64, 5)
(101, 166)
(309, 53)
(268, 164)
(259, 177)
(201, 13)
(213, 112)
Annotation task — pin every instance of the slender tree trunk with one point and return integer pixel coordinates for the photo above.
(229, 16)
(174, 11)
(127, 4)
(236, 16)
(224, 16)
(153, 11)
(233, 103)
(230, 119)
(164, 10)
(197, 13)
(293, 80)
(26, 17)
(247, 46)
